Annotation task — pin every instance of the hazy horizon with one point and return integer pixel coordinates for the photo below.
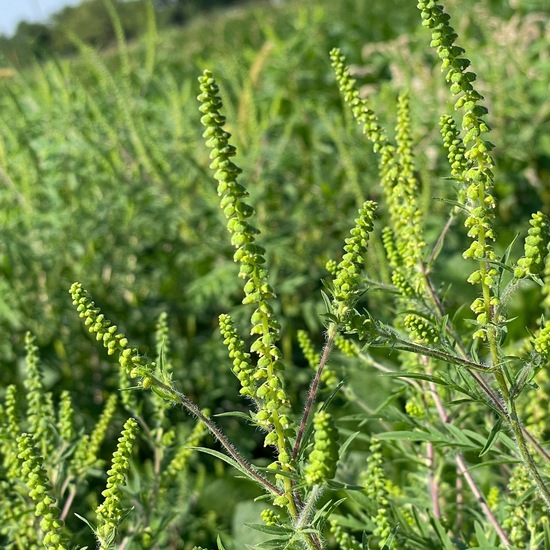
(15, 11)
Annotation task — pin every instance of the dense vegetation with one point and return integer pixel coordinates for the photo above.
(106, 181)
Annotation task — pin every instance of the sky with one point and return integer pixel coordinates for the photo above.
(14, 11)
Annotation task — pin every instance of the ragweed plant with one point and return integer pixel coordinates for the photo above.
(450, 457)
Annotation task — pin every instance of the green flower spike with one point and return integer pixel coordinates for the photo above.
(268, 385)
(87, 449)
(456, 152)
(375, 483)
(110, 513)
(181, 459)
(536, 247)
(477, 165)
(40, 407)
(422, 331)
(542, 342)
(328, 376)
(34, 474)
(129, 358)
(66, 421)
(10, 430)
(348, 275)
(343, 538)
(324, 457)
(242, 366)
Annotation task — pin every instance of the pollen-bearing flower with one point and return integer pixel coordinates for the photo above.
(132, 363)
(323, 460)
(266, 385)
(34, 474)
(536, 247)
(109, 512)
(348, 274)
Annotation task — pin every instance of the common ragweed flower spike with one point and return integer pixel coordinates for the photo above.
(268, 389)
(132, 363)
(375, 482)
(362, 113)
(110, 513)
(536, 247)
(36, 479)
(66, 420)
(39, 410)
(456, 151)
(478, 164)
(87, 449)
(10, 430)
(328, 376)
(541, 342)
(323, 459)
(348, 276)
(343, 538)
(421, 330)
(242, 366)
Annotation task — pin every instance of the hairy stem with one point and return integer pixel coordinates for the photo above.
(173, 395)
(331, 335)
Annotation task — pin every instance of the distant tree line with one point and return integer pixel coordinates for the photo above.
(89, 21)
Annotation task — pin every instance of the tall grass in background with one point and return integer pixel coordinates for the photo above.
(105, 180)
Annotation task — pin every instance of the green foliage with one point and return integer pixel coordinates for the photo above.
(422, 426)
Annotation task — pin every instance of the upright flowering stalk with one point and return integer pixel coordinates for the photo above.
(263, 382)
(536, 247)
(35, 476)
(110, 512)
(40, 409)
(346, 288)
(473, 156)
(396, 168)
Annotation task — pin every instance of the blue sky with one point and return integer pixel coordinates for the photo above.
(14, 11)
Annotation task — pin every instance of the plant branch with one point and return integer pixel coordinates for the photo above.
(331, 335)
(173, 395)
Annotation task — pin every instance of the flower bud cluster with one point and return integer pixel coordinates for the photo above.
(542, 341)
(328, 376)
(323, 460)
(346, 282)
(110, 512)
(40, 407)
(34, 474)
(375, 483)
(267, 376)
(87, 448)
(343, 538)
(536, 247)
(456, 151)
(360, 109)
(129, 358)
(402, 200)
(422, 331)
(181, 459)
